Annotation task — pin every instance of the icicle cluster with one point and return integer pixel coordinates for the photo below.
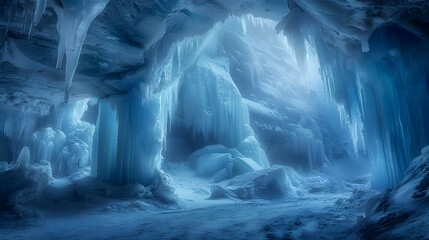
(382, 99)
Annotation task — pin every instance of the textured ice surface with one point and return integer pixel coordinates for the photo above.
(23, 184)
(129, 136)
(401, 212)
(269, 183)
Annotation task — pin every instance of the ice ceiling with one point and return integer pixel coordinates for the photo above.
(152, 62)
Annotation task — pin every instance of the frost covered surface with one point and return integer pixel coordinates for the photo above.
(132, 211)
(401, 212)
(274, 182)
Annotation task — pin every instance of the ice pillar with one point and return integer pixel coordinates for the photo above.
(129, 137)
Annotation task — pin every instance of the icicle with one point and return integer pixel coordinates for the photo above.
(74, 20)
(39, 10)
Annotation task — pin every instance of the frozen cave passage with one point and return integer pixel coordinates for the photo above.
(183, 121)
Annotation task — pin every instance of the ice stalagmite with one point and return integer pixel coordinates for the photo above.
(74, 19)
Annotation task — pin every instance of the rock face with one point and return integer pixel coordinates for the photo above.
(401, 212)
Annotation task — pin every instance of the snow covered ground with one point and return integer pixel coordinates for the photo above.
(324, 207)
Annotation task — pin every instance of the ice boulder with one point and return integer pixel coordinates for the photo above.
(222, 163)
(24, 183)
(212, 163)
(268, 183)
(162, 188)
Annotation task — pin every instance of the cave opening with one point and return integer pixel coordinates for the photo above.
(216, 119)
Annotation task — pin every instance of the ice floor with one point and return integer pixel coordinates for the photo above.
(325, 207)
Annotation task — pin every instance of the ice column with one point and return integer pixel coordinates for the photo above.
(129, 137)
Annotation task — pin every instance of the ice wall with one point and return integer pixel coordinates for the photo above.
(381, 96)
(210, 106)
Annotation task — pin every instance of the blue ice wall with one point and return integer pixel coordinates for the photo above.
(384, 97)
(381, 94)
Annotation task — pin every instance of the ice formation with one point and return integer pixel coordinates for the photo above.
(374, 91)
(198, 94)
(60, 137)
(66, 141)
(74, 19)
(129, 136)
(269, 183)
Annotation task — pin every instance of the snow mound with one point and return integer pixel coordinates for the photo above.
(269, 183)
(24, 183)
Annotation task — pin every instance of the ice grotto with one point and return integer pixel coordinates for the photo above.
(214, 119)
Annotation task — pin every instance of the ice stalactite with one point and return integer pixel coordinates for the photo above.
(39, 9)
(74, 19)
(33, 11)
(381, 97)
(380, 94)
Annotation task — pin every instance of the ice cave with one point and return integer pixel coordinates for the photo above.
(214, 119)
